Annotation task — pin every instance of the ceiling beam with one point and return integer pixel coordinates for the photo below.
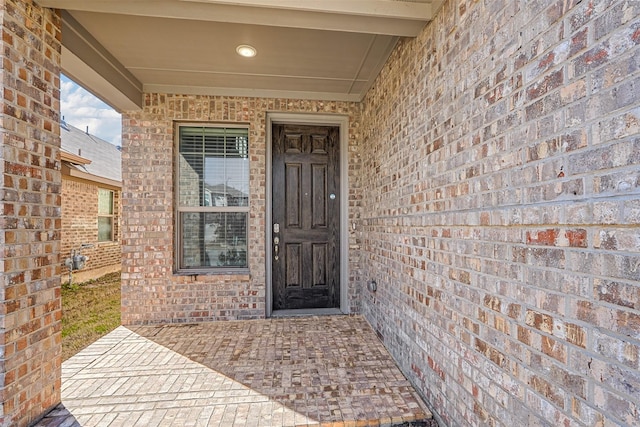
(113, 83)
(388, 17)
(380, 8)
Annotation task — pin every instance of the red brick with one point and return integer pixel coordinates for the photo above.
(577, 238)
(621, 294)
(548, 83)
(540, 321)
(554, 348)
(579, 41)
(493, 302)
(542, 237)
(548, 390)
(576, 335)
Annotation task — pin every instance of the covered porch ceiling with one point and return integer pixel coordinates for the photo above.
(315, 49)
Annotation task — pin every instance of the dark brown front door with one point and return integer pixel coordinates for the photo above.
(306, 217)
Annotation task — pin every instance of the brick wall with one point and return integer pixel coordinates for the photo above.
(151, 292)
(501, 167)
(30, 351)
(80, 226)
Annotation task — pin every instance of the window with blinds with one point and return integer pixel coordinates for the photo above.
(213, 197)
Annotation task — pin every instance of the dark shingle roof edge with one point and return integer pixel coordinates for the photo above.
(105, 157)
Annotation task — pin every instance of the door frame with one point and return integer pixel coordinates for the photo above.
(342, 122)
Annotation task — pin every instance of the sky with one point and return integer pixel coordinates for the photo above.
(80, 108)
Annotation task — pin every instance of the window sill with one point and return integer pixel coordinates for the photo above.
(216, 272)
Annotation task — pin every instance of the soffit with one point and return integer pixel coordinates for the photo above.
(316, 49)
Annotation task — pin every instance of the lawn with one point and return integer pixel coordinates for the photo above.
(90, 310)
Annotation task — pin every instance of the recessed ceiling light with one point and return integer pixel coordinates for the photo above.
(246, 51)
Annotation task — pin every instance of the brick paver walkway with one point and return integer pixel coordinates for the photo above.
(311, 371)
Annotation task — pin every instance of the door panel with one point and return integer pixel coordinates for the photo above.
(319, 198)
(319, 260)
(293, 255)
(293, 143)
(293, 197)
(306, 207)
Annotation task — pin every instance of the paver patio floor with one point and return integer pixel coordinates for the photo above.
(306, 371)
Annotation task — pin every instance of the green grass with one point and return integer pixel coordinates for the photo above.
(90, 310)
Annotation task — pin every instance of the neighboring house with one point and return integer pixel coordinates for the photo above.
(91, 193)
(478, 160)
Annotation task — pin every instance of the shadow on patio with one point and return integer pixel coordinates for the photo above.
(312, 371)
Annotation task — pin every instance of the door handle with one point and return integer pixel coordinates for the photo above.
(276, 247)
(276, 241)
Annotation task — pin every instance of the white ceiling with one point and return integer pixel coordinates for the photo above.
(314, 49)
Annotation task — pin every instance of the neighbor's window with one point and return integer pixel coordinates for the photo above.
(213, 197)
(105, 215)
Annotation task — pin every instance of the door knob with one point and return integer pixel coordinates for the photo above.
(276, 241)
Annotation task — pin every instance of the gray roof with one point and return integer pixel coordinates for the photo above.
(105, 157)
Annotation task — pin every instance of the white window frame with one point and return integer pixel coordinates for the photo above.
(111, 215)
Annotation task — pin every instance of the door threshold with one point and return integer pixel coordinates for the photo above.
(307, 312)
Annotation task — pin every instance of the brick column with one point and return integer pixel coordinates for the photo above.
(30, 339)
